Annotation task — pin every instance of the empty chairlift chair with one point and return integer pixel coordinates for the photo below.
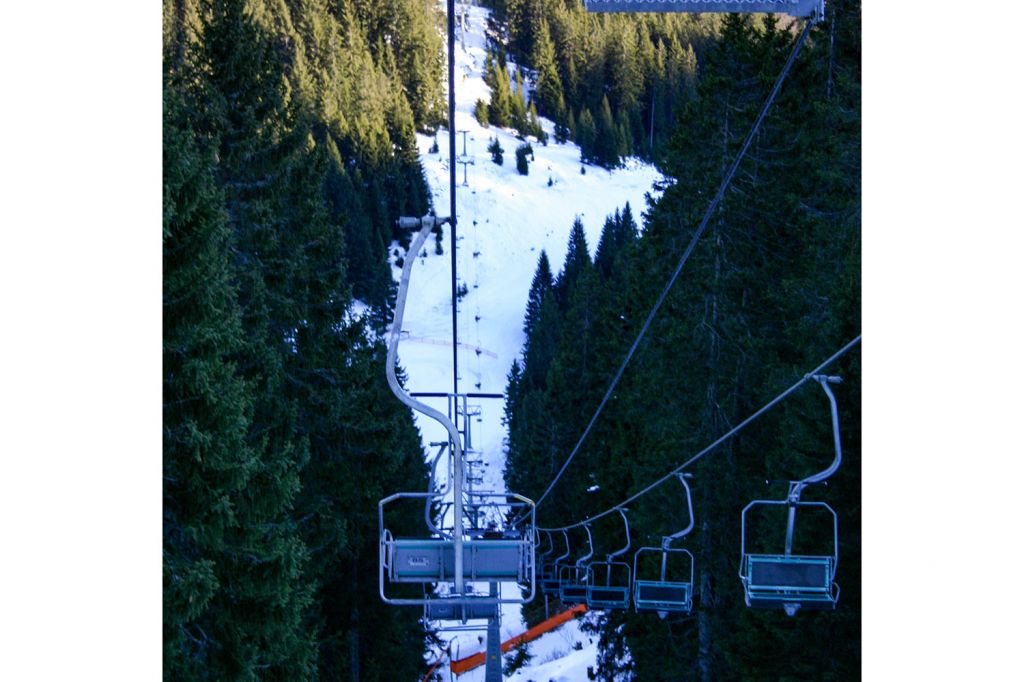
(790, 581)
(452, 554)
(664, 596)
(572, 585)
(787, 580)
(551, 585)
(550, 567)
(572, 578)
(613, 592)
(421, 560)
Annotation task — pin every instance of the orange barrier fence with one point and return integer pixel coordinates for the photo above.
(476, 660)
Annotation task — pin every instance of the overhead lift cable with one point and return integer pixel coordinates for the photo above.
(715, 201)
(810, 376)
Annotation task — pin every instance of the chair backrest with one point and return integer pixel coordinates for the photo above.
(665, 553)
(433, 560)
(601, 572)
(572, 575)
(658, 594)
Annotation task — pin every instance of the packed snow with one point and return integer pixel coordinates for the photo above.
(504, 221)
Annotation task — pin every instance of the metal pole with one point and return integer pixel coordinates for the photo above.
(790, 522)
(457, 483)
(451, 185)
(492, 673)
(467, 440)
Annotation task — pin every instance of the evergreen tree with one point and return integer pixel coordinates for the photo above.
(260, 166)
(586, 137)
(522, 163)
(609, 145)
(480, 112)
(517, 106)
(627, 231)
(542, 284)
(623, 66)
(497, 153)
(533, 125)
(207, 463)
(577, 261)
(543, 342)
(607, 246)
(499, 111)
(547, 91)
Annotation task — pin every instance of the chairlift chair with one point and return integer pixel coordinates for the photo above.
(572, 579)
(545, 568)
(665, 596)
(572, 585)
(611, 594)
(790, 581)
(450, 554)
(432, 559)
(550, 581)
(795, 581)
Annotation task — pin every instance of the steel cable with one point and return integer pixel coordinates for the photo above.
(715, 201)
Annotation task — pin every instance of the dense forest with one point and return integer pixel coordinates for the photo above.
(613, 83)
(772, 290)
(289, 149)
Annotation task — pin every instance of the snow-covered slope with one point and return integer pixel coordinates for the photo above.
(504, 221)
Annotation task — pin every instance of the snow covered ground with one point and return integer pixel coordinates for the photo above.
(504, 221)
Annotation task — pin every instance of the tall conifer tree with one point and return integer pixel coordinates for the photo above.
(577, 260)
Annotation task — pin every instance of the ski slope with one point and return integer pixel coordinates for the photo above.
(505, 220)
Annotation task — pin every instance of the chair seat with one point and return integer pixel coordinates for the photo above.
(773, 581)
(572, 594)
(608, 597)
(652, 595)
